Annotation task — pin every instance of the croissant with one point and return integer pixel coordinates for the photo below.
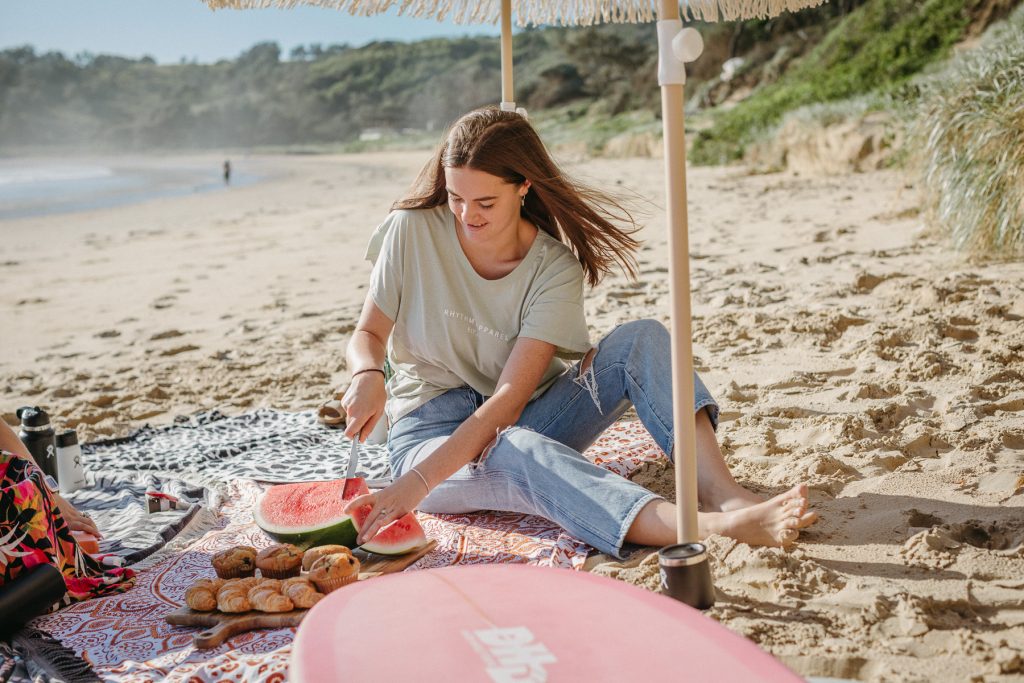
(301, 592)
(233, 600)
(272, 584)
(201, 597)
(246, 583)
(214, 584)
(269, 600)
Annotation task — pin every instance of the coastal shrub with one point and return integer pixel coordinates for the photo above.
(970, 133)
(874, 49)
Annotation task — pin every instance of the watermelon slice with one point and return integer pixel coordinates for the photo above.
(311, 513)
(398, 538)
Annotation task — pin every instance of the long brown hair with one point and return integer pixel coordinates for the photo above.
(505, 145)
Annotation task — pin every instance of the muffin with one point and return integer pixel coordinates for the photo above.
(235, 563)
(331, 572)
(314, 554)
(279, 561)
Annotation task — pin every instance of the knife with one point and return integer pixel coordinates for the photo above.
(353, 458)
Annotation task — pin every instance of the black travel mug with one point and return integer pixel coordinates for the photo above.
(37, 434)
(29, 595)
(686, 575)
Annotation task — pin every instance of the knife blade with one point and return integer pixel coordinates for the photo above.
(353, 458)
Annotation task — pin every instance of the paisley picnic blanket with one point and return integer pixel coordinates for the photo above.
(125, 638)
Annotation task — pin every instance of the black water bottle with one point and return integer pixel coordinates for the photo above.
(37, 434)
(30, 594)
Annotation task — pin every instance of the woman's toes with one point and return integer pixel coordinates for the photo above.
(797, 494)
(788, 536)
(807, 519)
(794, 505)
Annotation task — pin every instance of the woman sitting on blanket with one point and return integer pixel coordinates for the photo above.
(36, 526)
(476, 300)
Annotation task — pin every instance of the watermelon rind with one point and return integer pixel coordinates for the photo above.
(325, 503)
(343, 532)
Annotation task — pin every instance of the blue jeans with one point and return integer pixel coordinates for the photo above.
(536, 466)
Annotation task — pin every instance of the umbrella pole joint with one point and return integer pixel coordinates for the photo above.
(677, 46)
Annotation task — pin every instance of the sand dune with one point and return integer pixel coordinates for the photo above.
(848, 347)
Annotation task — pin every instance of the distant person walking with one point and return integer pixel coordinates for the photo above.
(227, 172)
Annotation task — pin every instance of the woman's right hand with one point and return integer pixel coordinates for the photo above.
(364, 404)
(77, 521)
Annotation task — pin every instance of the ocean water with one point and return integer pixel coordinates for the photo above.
(36, 187)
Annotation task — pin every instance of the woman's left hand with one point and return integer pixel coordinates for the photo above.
(388, 504)
(76, 520)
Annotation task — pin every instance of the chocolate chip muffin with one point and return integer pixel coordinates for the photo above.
(279, 561)
(314, 554)
(235, 563)
(333, 571)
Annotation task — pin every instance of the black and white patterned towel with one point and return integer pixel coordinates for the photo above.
(117, 503)
(264, 445)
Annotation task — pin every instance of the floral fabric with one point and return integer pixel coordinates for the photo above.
(33, 531)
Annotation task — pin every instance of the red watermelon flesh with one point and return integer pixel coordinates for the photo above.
(310, 513)
(398, 538)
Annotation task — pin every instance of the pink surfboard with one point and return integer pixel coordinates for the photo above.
(517, 623)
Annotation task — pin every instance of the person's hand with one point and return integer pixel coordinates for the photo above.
(77, 520)
(388, 504)
(364, 404)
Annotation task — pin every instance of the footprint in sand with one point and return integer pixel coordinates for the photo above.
(164, 302)
(1013, 439)
(167, 334)
(939, 545)
(179, 349)
(890, 415)
(954, 331)
(864, 282)
(873, 390)
(157, 394)
(107, 334)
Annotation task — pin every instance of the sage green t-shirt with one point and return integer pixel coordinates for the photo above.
(454, 328)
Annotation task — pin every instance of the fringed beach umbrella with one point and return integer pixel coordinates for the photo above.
(676, 47)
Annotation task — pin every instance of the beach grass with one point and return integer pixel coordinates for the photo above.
(970, 133)
(875, 49)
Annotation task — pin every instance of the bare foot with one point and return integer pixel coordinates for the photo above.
(774, 522)
(735, 498)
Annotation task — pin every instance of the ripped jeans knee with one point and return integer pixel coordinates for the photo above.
(586, 379)
(478, 461)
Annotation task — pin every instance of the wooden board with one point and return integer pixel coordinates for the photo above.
(221, 626)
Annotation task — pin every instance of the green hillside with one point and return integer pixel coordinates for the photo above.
(581, 85)
(874, 50)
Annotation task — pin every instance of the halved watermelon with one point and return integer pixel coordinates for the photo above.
(398, 538)
(309, 514)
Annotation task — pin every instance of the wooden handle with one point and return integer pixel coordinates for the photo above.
(214, 637)
(232, 626)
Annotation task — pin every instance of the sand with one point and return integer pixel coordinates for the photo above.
(849, 348)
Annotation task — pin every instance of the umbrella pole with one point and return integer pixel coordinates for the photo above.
(679, 293)
(685, 572)
(507, 95)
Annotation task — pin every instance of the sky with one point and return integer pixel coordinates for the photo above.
(168, 30)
